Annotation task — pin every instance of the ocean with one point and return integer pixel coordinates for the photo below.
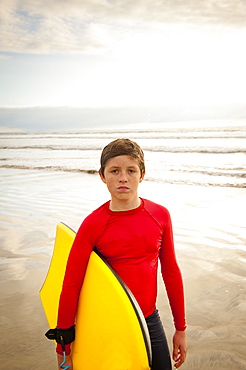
(207, 156)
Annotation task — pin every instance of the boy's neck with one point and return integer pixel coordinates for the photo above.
(124, 205)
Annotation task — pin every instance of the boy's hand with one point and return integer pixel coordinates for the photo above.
(179, 348)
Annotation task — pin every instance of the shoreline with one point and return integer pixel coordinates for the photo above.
(209, 234)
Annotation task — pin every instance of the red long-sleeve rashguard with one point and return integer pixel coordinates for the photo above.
(131, 242)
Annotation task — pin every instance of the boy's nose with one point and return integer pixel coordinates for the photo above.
(123, 177)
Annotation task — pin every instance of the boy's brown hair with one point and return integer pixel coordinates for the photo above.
(122, 147)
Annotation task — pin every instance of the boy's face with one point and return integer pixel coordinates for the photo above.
(122, 176)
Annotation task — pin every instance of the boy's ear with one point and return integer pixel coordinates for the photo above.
(142, 176)
(102, 177)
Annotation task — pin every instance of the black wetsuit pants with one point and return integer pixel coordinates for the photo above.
(160, 352)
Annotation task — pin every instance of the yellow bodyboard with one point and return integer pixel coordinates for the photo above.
(111, 332)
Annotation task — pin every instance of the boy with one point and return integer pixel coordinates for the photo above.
(132, 234)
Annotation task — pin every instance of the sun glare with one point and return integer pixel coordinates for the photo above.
(156, 68)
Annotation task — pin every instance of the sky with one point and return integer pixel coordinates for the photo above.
(104, 54)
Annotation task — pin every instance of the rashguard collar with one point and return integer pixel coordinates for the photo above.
(125, 213)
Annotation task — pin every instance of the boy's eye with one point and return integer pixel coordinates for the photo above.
(117, 171)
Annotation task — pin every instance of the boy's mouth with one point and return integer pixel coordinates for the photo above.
(123, 188)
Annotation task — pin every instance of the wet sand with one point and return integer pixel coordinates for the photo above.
(210, 237)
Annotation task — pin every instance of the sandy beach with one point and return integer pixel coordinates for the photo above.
(209, 232)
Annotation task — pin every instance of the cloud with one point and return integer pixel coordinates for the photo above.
(49, 27)
(62, 118)
(45, 30)
(93, 26)
(5, 57)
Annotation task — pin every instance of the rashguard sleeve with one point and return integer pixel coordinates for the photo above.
(74, 276)
(172, 277)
